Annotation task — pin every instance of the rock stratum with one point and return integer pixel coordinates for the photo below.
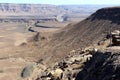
(29, 9)
(10, 9)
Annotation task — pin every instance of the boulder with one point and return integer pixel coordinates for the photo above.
(56, 74)
(28, 70)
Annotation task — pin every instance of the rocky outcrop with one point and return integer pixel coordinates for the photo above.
(66, 69)
(46, 9)
(115, 38)
(112, 14)
(29, 9)
(102, 66)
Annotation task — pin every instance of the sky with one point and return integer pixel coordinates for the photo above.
(63, 2)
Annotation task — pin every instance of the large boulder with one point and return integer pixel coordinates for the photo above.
(56, 74)
(28, 70)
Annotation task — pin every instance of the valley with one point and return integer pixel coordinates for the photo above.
(49, 42)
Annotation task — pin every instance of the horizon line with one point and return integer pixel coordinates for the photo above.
(57, 4)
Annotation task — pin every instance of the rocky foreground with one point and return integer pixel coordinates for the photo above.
(65, 69)
(102, 66)
(90, 64)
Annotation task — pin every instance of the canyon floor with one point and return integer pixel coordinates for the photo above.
(11, 35)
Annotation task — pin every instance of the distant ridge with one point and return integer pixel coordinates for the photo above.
(13, 9)
(29, 9)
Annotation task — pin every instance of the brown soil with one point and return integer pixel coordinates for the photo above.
(57, 46)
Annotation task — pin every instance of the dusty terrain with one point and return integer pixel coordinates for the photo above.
(11, 36)
(50, 41)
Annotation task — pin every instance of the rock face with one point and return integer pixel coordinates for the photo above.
(66, 69)
(45, 9)
(116, 38)
(102, 66)
(111, 14)
(29, 9)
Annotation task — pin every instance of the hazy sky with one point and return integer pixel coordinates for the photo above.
(57, 2)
